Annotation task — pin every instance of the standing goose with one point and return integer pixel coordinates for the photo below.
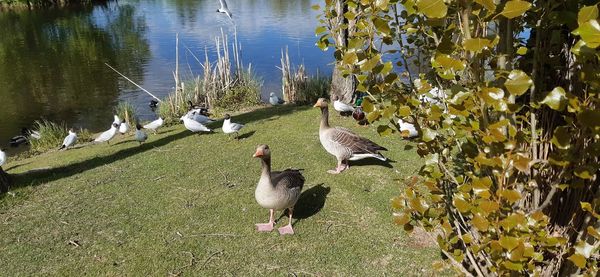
(224, 9)
(123, 127)
(343, 143)
(154, 125)
(230, 127)
(2, 157)
(109, 134)
(276, 190)
(140, 135)
(274, 99)
(194, 126)
(69, 140)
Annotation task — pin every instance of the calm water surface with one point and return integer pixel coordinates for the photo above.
(52, 61)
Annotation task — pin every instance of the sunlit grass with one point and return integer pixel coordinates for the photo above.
(184, 203)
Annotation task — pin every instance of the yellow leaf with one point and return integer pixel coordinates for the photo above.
(476, 44)
(432, 8)
(578, 260)
(586, 14)
(511, 195)
(401, 219)
(522, 50)
(460, 204)
(480, 223)
(488, 4)
(508, 243)
(515, 8)
(590, 33)
(518, 82)
(489, 206)
(521, 163)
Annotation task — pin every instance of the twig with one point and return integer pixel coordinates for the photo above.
(217, 235)
(210, 257)
(157, 99)
(158, 178)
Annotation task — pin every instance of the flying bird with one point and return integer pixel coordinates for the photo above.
(276, 190)
(224, 9)
(154, 125)
(69, 140)
(140, 135)
(230, 127)
(109, 134)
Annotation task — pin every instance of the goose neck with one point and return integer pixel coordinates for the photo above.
(324, 118)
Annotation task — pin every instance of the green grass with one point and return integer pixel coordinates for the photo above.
(184, 203)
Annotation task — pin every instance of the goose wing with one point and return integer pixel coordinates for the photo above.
(353, 142)
(289, 179)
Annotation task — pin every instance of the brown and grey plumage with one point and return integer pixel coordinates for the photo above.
(276, 190)
(344, 144)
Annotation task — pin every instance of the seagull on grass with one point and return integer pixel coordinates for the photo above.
(140, 135)
(230, 127)
(107, 135)
(154, 125)
(69, 140)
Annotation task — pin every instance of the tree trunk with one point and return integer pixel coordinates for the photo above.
(342, 88)
(4, 181)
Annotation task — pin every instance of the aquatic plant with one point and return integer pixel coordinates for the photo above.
(127, 111)
(297, 86)
(51, 135)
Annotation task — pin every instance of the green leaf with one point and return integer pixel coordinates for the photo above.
(488, 4)
(511, 195)
(428, 134)
(369, 64)
(384, 130)
(315, 7)
(382, 26)
(508, 243)
(556, 99)
(367, 105)
(320, 29)
(460, 204)
(432, 8)
(515, 8)
(518, 82)
(513, 266)
(586, 14)
(578, 260)
(522, 50)
(476, 44)
(590, 33)
(372, 116)
(350, 58)
(409, 5)
(404, 111)
(561, 138)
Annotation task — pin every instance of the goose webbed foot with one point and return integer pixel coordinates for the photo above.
(286, 230)
(266, 227)
(338, 169)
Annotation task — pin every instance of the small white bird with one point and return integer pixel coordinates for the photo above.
(408, 127)
(154, 125)
(198, 117)
(224, 9)
(140, 135)
(34, 134)
(109, 134)
(123, 127)
(230, 127)
(342, 107)
(2, 157)
(193, 125)
(274, 99)
(117, 120)
(69, 140)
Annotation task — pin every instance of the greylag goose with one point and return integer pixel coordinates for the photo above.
(154, 125)
(276, 190)
(140, 135)
(230, 127)
(344, 144)
(109, 134)
(69, 140)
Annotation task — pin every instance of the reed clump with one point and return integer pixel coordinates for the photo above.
(297, 86)
(126, 111)
(52, 135)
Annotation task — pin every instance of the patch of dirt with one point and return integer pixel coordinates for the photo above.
(419, 238)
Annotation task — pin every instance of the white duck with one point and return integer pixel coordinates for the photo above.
(193, 125)
(344, 144)
(342, 107)
(109, 134)
(408, 129)
(69, 140)
(230, 127)
(274, 99)
(276, 190)
(2, 157)
(123, 127)
(154, 125)
(224, 9)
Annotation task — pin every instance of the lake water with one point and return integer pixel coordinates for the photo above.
(52, 61)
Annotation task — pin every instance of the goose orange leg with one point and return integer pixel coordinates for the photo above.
(287, 229)
(341, 166)
(266, 227)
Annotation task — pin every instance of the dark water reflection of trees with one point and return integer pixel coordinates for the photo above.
(52, 63)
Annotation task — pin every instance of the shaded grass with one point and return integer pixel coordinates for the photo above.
(184, 203)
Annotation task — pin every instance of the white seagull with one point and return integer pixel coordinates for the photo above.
(154, 125)
(117, 120)
(123, 127)
(2, 157)
(230, 127)
(193, 125)
(224, 9)
(196, 115)
(408, 127)
(274, 99)
(70, 139)
(109, 134)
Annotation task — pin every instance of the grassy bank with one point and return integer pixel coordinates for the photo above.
(184, 203)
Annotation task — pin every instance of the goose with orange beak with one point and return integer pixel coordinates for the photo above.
(276, 190)
(344, 144)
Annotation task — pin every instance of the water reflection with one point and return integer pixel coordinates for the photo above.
(52, 61)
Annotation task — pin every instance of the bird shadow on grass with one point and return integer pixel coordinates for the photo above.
(36, 177)
(246, 135)
(365, 162)
(310, 203)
